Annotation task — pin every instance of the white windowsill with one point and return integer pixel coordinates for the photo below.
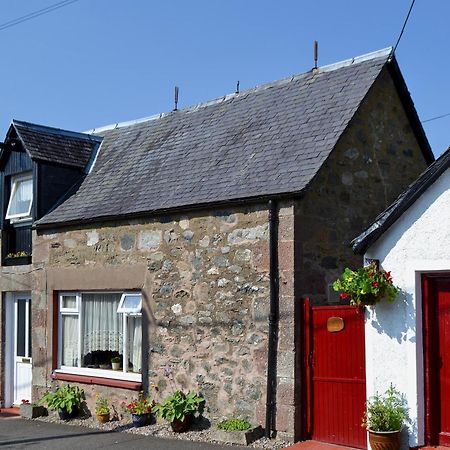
(101, 373)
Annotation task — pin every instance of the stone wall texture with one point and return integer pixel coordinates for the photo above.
(375, 159)
(205, 283)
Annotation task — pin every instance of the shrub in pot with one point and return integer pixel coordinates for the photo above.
(178, 409)
(385, 416)
(102, 410)
(66, 400)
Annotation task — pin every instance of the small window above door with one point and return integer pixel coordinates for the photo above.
(21, 199)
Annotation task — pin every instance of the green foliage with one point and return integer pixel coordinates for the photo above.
(101, 405)
(234, 424)
(387, 412)
(65, 397)
(116, 359)
(366, 286)
(178, 405)
(141, 406)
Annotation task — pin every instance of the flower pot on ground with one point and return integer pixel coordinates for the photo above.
(178, 409)
(386, 415)
(115, 362)
(102, 410)
(366, 286)
(141, 420)
(141, 411)
(66, 400)
(31, 411)
(237, 431)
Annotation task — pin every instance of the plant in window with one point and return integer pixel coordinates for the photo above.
(66, 399)
(102, 409)
(115, 362)
(178, 409)
(366, 286)
(141, 410)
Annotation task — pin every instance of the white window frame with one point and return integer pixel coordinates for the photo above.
(122, 309)
(78, 311)
(15, 180)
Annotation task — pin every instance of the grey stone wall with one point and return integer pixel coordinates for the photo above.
(376, 158)
(206, 288)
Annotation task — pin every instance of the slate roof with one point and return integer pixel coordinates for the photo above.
(401, 204)
(55, 145)
(266, 141)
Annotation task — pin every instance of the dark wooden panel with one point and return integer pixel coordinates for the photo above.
(17, 162)
(52, 183)
(337, 372)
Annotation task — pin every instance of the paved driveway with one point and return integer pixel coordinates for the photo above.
(19, 433)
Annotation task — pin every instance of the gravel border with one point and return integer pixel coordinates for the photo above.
(200, 431)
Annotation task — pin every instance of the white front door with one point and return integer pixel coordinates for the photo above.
(22, 348)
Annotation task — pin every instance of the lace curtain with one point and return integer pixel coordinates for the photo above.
(135, 342)
(69, 340)
(102, 326)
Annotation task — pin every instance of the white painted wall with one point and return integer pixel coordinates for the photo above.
(418, 242)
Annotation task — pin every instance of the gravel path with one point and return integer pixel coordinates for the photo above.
(200, 430)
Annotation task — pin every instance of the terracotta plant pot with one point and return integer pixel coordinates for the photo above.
(179, 426)
(103, 418)
(384, 440)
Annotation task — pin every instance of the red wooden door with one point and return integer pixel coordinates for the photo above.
(336, 374)
(436, 294)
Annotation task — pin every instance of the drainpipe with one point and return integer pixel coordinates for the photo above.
(273, 318)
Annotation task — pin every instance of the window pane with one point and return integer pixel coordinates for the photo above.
(21, 197)
(134, 343)
(101, 333)
(69, 302)
(69, 340)
(21, 328)
(130, 303)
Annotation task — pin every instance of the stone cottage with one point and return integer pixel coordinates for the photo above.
(407, 341)
(190, 244)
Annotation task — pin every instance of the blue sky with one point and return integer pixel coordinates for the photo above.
(97, 62)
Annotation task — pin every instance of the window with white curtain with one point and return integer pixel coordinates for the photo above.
(21, 198)
(97, 330)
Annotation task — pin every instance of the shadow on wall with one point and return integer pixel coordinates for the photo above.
(396, 320)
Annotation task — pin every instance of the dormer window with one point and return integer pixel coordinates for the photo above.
(21, 199)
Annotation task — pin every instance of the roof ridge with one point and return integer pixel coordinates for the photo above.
(385, 52)
(55, 131)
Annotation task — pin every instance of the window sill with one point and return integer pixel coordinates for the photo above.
(88, 379)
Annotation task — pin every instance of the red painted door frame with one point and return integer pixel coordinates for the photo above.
(431, 354)
(350, 434)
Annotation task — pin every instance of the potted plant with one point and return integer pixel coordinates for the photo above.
(102, 410)
(366, 285)
(384, 419)
(237, 431)
(178, 408)
(141, 410)
(115, 362)
(66, 399)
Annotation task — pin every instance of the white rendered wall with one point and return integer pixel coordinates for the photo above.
(418, 242)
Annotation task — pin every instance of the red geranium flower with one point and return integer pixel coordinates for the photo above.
(344, 295)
